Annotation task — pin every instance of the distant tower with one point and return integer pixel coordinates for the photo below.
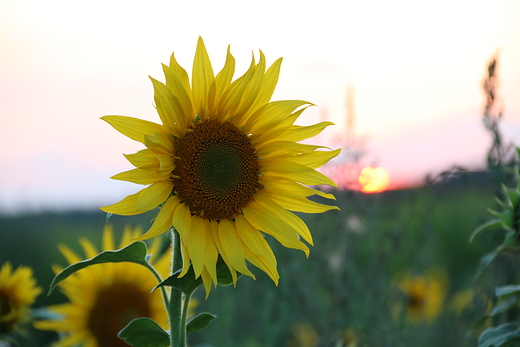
(350, 130)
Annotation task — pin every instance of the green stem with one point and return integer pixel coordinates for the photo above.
(175, 311)
(159, 280)
(184, 316)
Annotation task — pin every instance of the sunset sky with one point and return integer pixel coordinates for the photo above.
(415, 68)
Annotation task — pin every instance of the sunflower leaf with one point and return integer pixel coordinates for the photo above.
(186, 284)
(494, 223)
(133, 253)
(144, 332)
(224, 277)
(199, 322)
(498, 336)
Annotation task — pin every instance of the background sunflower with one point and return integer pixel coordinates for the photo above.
(18, 291)
(104, 298)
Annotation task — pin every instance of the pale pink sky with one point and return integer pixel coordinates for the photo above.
(416, 68)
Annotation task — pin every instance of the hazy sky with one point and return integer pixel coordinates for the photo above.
(415, 67)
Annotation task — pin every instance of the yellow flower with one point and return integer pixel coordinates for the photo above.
(303, 335)
(104, 298)
(225, 166)
(424, 295)
(18, 291)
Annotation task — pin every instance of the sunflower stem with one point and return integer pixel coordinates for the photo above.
(175, 309)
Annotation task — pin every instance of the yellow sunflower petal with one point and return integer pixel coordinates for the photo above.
(134, 128)
(261, 263)
(159, 143)
(295, 171)
(214, 227)
(231, 97)
(291, 188)
(277, 148)
(297, 133)
(267, 88)
(162, 222)
(166, 164)
(302, 204)
(251, 91)
(168, 107)
(185, 112)
(202, 79)
(316, 159)
(210, 255)
(125, 207)
(290, 218)
(206, 280)
(196, 242)
(222, 82)
(89, 249)
(256, 243)
(69, 254)
(139, 176)
(108, 238)
(186, 259)
(154, 195)
(232, 246)
(271, 115)
(181, 219)
(263, 219)
(181, 74)
(143, 159)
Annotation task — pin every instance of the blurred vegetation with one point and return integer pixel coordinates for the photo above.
(345, 294)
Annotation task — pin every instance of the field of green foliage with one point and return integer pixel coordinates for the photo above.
(389, 269)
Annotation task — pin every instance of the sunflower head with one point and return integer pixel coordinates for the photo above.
(18, 291)
(424, 295)
(225, 166)
(104, 298)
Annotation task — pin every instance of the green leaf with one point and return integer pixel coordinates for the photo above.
(504, 306)
(224, 277)
(199, 322)
(144, 332)
(134, 253)
(186, 284)
(505, 216)
(492, 224)
(507, 290)
(497, 336)
(488, 258)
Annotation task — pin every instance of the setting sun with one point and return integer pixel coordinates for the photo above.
(373, 179)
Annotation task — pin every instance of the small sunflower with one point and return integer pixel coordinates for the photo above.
(424, 295)
(104, 298)
(18, 291)
(225, 166)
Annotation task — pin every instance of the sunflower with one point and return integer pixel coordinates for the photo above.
(225, 166)
(104, 298)
(424, 295)
(18, 291)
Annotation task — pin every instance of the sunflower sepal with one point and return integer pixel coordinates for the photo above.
(199, 322)
(134, 253)
(144, 332)
(186, 284)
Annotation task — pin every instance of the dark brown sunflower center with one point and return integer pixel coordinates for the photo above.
(415, 301)
(218, 170)
(116, 305)
(5, 309)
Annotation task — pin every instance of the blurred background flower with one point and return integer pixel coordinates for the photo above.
(423, 295)
(104, 298)
(18, 291)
